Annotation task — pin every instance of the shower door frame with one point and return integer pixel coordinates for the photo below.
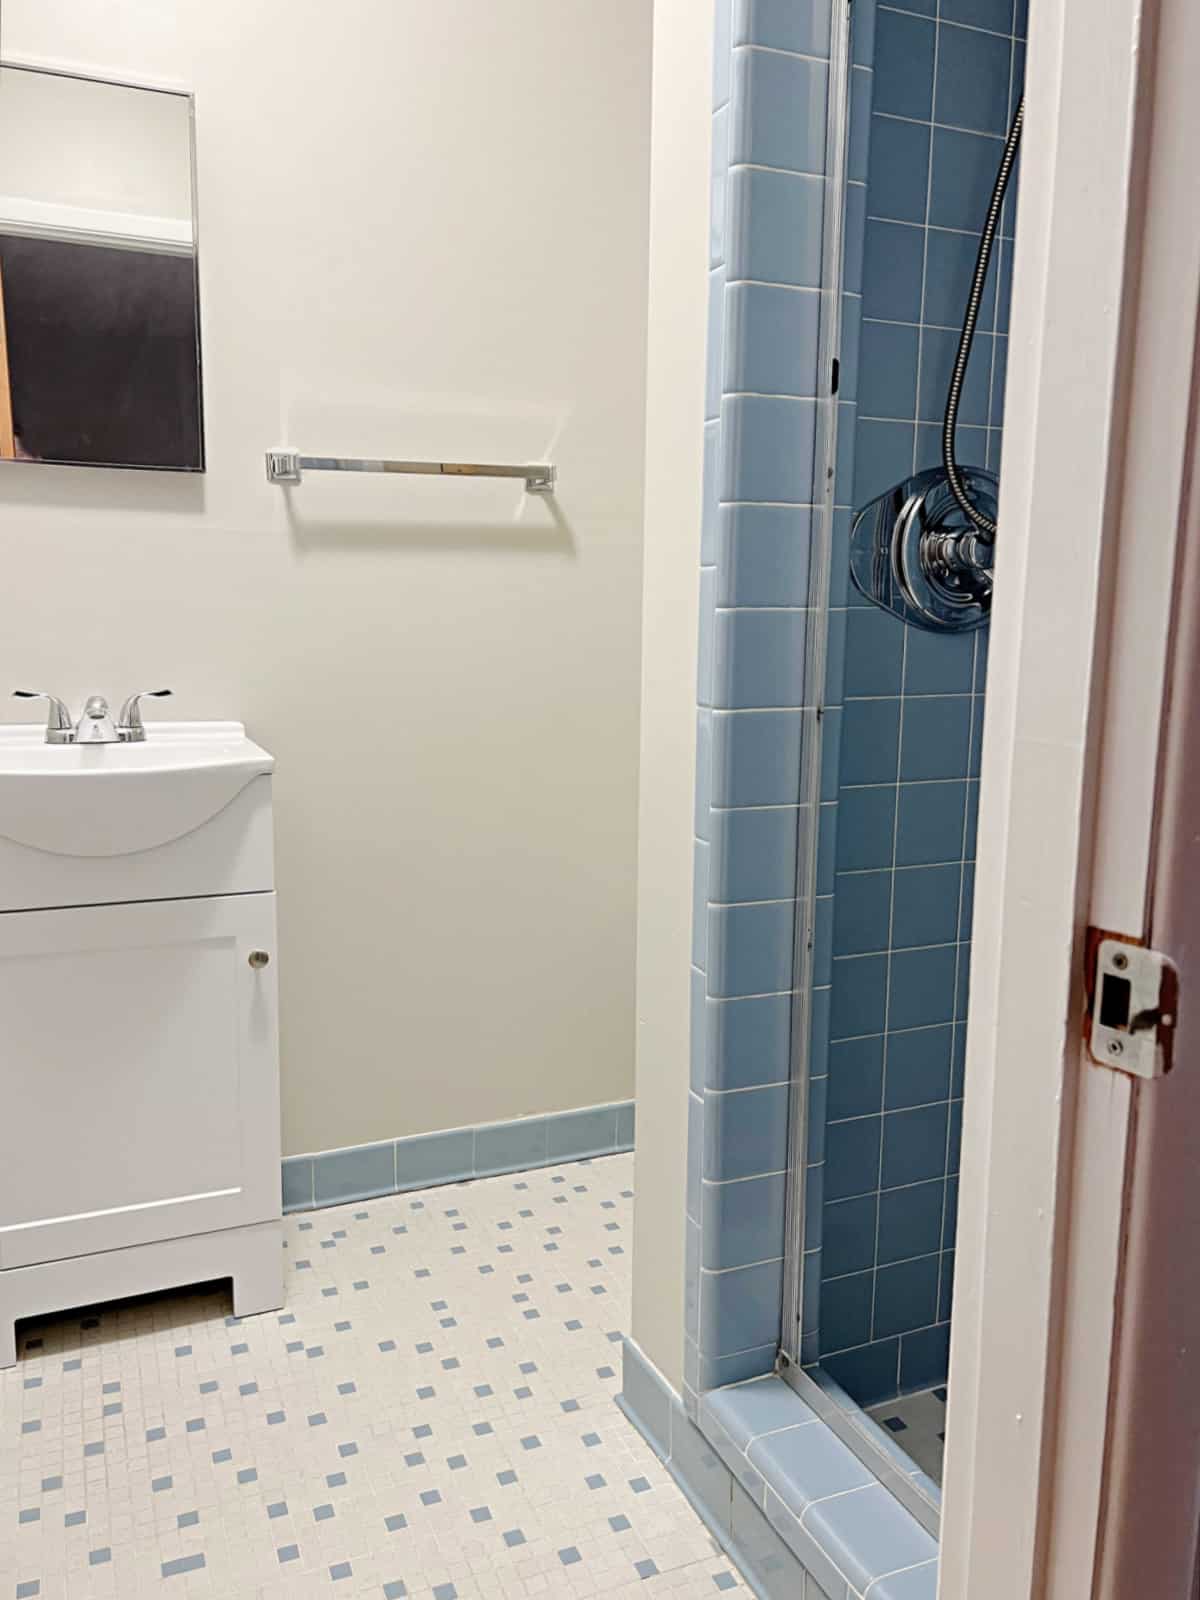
(885, 1460)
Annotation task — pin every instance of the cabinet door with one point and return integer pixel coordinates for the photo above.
(139, 1074)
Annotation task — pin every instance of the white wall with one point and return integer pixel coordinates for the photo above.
(678, 312)
(422, 232)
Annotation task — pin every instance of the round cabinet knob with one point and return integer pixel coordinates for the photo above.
(258, 958)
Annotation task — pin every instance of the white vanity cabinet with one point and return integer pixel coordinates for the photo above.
(139, 1076)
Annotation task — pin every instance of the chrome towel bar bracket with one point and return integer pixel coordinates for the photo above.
(286, 466)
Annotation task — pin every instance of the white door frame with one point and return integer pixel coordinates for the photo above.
(1098, 413)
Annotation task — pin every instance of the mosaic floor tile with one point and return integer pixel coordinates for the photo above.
(430, 1418)
(918, 1424)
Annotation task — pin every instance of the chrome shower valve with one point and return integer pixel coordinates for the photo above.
(915, 552)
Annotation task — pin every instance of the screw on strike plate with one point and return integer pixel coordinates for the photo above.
(1115, 1047)
(1120, 961)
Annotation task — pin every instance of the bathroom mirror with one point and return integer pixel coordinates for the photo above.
(99, 313)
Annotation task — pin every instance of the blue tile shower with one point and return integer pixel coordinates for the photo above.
(946, 79)
(798, 668)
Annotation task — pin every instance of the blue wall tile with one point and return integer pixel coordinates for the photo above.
(914, 1145)
(925, 1357)
(949, 268)
(997, 15)
(946, 1291)
(925, 909)
(722, 53)
(749, 1041)
(871, 734)
(780, 105)
(859, 996)
(767, 445)
(743, 1222)
(964, 170)
(701, 918)
(972, 80)
(739, 1309)
(938, 663)
(750, 949)
(936, 741)
(888, 382)
(855, 1077)
(745, 1133)
(846, 1311)
(905, 1295)
(868, 1374)
(754, 854)
(760, 660)
(883, 456)
(892, 271)
(835, 654)
(852, 1157)
(898, 178)
(763, 557)
(854, 243)
(772, 342)
(918, 1067)
(922, 987)
(862, 908)
(910, 1222)
(930, 820)
(939, 347)
(848, 1235)
(776, 226)
(874, 653)
(782, 24)
(756, 758)
(904, 65)
(866, 827)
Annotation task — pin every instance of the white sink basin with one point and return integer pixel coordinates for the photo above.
(113, 799)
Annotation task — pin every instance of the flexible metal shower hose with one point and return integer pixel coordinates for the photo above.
(966, 338)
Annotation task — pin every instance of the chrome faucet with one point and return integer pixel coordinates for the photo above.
(130, 726)
(95, 725)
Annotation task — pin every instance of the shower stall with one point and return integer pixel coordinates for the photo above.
(924, 118)
(864, 222)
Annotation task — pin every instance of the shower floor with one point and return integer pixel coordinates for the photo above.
(431, 1417)
(918, 1424)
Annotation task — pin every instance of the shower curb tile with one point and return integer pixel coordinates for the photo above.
(395, 1166)
(849, 1540)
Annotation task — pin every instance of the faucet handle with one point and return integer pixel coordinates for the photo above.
(129, 724)
(60, 725)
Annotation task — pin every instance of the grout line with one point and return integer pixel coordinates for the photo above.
(932, 122)
(951, 22)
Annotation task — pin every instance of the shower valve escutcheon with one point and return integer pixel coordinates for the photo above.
(915, 552)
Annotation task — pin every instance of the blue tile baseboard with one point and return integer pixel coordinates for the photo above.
(366, 1171)
(792, 1505)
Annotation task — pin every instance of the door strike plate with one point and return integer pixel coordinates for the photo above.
(1134, 1007)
